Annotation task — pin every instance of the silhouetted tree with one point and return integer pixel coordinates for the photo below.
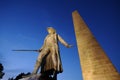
(1, 69)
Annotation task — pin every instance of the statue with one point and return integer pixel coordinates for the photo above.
(49, 57)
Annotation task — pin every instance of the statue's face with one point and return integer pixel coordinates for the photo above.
(50, 30)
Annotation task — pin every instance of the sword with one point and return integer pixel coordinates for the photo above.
(27, 50)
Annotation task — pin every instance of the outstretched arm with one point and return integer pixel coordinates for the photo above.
(63, 42)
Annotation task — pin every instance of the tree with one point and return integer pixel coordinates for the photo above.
(1, 69)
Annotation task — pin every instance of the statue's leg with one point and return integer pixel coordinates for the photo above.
(39, 60)
(36, 68)
(55, 62)
(54, 59)
(54, 75)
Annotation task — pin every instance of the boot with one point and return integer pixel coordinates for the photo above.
(54, 75)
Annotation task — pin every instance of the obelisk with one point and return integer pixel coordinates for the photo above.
(94, 62)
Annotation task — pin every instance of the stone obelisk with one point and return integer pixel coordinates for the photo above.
(94, 62)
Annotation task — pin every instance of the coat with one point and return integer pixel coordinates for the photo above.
(52, 60)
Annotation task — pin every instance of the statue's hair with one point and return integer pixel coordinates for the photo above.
(51, 30)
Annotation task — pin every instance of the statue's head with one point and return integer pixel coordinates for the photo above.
(51, 30)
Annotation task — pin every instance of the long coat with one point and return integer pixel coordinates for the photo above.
(51, 60)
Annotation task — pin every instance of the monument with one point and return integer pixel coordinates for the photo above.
(49, 58)
(94, 62)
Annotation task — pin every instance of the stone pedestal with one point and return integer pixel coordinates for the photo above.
(94, 62)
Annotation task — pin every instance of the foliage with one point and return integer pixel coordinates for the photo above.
(1, 69)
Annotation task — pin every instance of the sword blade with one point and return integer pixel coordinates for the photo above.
(26, 50)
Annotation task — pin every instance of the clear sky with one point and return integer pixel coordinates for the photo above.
(23, 25)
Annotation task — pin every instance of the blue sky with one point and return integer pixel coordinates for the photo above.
(23, 25)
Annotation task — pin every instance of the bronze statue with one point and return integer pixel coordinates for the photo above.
(49, 57)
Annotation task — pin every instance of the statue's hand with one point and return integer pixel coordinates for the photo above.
(69, 46)
(39, 50)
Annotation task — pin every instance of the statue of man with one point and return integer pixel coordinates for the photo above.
(49, 57)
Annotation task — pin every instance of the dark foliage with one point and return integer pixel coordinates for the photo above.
(1, 69)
